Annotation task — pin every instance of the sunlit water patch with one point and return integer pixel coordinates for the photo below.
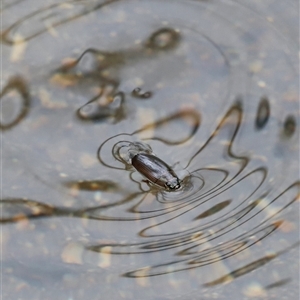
(206, 90)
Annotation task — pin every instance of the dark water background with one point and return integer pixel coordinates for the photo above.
(212, 87)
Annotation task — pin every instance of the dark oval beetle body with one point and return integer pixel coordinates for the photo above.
(156, 170)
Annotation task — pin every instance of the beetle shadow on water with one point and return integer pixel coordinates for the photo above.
(215, 215)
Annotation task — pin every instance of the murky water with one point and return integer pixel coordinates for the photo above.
(210, 88)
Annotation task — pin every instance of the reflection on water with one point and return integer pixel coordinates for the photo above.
(289, 126)
(263, 113)
(102, 68)
(205, 99)
(15, 102)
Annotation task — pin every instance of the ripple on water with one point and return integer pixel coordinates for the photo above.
(210, 88)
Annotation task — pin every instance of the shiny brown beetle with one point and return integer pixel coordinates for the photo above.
(156, 171)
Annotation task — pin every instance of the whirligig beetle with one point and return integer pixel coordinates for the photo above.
(156, 170)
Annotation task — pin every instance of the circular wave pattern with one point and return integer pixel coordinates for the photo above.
(213, 195)
(211, 88)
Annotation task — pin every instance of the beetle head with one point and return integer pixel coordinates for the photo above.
(173, 184)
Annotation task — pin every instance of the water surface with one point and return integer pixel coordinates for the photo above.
(211, 87)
